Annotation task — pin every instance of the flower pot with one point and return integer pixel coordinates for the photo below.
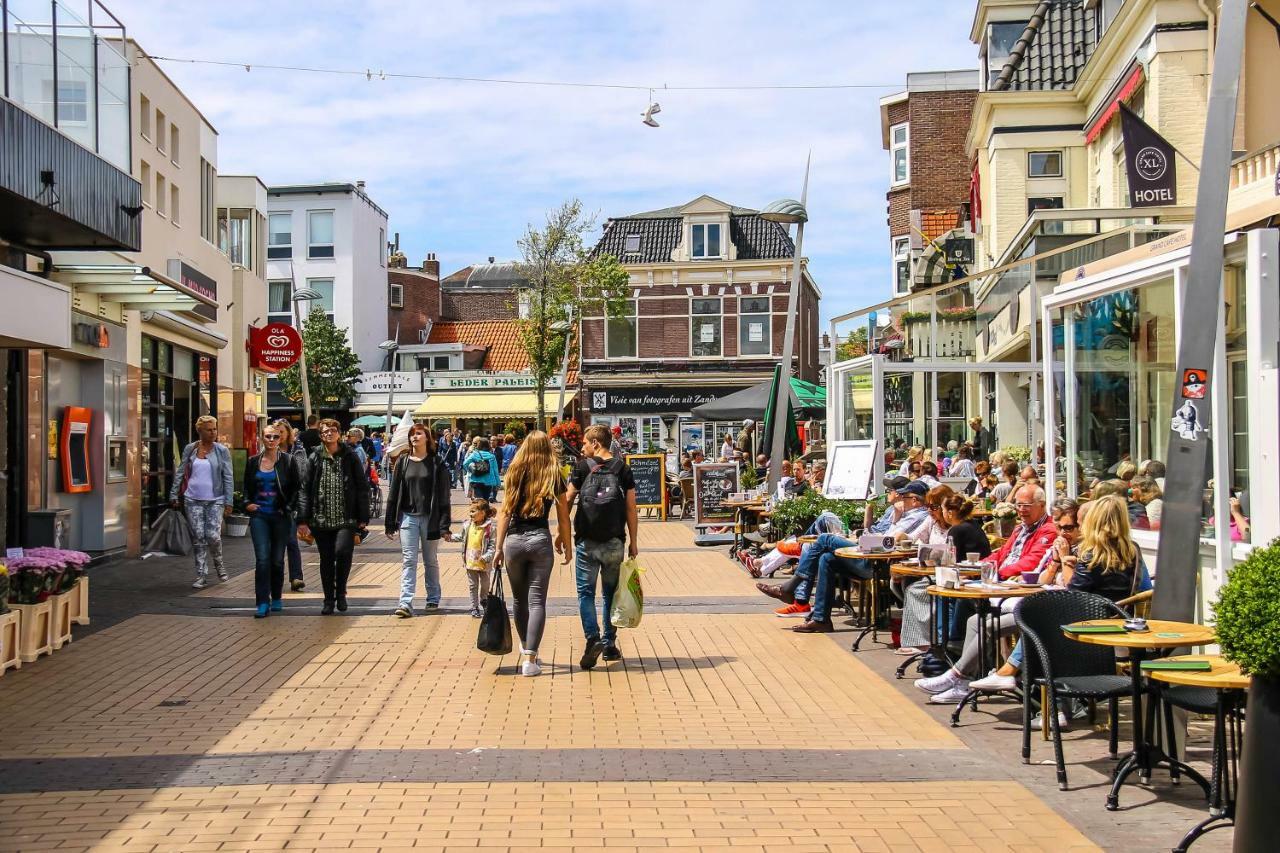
(80, 603)
(10, 629)
(36, 629)
(1006, 525)
(60, 619)
(237, 526)
(1257, 818)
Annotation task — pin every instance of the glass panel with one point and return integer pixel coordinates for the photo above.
(755, 332)
(950, 391)
(621, 334)
(705, 327)
(859, 404)
(699, 242)
(281, 229)
(902, 421)
(323, 286)
(899, 165)
(30, 57)
(713, 241)
(164, 363)
(278, 297)
(75, 74)
(321, 228)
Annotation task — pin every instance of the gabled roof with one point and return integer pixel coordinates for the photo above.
(660, 233)
(501, 339)
(1059, 50)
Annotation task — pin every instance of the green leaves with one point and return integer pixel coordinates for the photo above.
(332, 366)
(1247, 613)
(792, 516)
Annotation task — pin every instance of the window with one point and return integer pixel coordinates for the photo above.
(278, 308)
(440, 362)
(173, 143)
(382, 246)
(1001, 37)
(280, 236)
(320, 234)
(235, 235)
(522, 306)
(208, 185)
(161, 132)
(633, 244)
(146, 182)
(1046, 203)
(901, 265)
(1044, 164)
(72, 101)
(755, 327)
(397, 296)
(173, 203)
(162, 195)
(706, 240)
(706, 326)
(323, 286)
(620, 333)
(144, 116)
(899, 147)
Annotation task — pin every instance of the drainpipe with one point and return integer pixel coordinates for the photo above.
(1019, 48)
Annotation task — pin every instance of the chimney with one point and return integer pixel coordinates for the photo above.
(360, 185)
(826, 341)
(431, 266)
(491, 259)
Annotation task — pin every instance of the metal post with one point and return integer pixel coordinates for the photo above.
(1179, 554)
(564, 369)
(782, 394)
(302, 357)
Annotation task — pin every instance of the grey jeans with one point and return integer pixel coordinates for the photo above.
(205, 518)
(528, 557)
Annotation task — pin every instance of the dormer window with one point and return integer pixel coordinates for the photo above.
(633, 244)
(706, 240)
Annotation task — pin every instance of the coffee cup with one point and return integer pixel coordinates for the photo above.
(1137, 625)
(972, 557)
(1031, 577)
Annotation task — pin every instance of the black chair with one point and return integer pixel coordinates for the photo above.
(1064, 667)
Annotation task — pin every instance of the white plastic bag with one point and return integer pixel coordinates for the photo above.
(628, 600)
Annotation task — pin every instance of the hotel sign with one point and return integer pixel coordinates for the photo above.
(481, 381)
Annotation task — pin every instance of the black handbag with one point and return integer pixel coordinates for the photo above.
(494, 637)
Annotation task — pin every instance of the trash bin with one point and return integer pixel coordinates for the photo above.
(50, 528)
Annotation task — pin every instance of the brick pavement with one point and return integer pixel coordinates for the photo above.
(164, 729)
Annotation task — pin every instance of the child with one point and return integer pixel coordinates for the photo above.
(479, 540)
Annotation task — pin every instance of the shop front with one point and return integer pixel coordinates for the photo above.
(485, 402)
(657, 418)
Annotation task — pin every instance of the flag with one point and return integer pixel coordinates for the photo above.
(1148, 159)
(793, 445)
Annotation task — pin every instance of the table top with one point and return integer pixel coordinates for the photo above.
(908, 571)
(752, 504)
(983, 592)
(1225, 675)
(852, 553)
(1163, 634)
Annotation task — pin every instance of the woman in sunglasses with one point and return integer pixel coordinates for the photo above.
(271, 483)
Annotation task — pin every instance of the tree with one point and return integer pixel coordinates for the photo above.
(332, 366)
(561, 277)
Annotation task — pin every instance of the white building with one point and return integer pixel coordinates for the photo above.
(331, 238)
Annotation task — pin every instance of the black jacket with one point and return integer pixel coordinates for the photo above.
(435, 498)
(355, 486)
(288, 475)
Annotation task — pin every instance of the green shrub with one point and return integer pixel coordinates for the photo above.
(748, 479)
(792, 516)
(1248, 613)
(515, 428)
(1018, 452)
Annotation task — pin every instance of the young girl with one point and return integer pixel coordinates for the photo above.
(479, 545)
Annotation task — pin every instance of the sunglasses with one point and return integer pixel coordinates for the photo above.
(271, 437)
(1068, 528)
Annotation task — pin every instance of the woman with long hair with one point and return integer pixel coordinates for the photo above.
(1108, 558)
(334, 507)
(271, 480)
(534, 483)
(418, 510)
(291, 444)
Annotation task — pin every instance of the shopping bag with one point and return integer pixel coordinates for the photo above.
(171, 534)
(628, 600)
(494, 637)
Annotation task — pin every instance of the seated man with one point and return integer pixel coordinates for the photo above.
(820, 566)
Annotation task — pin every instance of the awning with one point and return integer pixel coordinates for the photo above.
(490, 404)
(809, 401)
(135, 287)
(38, 311)
(1094, 129)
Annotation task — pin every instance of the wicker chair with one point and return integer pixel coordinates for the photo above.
(1063, 667)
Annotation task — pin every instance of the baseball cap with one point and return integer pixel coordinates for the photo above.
(895, 482)
(916, 488)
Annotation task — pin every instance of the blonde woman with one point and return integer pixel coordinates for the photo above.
(1108, 558)
(534, 484)
(204, 483)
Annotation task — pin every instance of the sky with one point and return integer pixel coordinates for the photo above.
(464, 168)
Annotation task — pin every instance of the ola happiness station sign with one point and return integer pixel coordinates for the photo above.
(274, 347)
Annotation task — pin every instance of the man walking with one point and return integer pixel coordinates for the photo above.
(605, 528)
(311, 435)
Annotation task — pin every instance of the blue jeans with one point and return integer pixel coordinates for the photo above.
(1015, 656)
(820, 565)
(270, 534)
(413, 540)
(592, 560)
(483, 491)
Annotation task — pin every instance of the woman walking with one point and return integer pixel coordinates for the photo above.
(291, 444)
(204, 484)
(333, 506)
(482, 470)
(418, 510)
(535, 483)
(271, 482)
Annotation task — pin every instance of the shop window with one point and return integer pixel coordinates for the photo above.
(280, 236)
(620, 333)
(755, 326)
(706, 327)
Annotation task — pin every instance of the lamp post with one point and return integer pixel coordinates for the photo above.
(785, 212)
(566, 326)
(306, 294)
(390, 347)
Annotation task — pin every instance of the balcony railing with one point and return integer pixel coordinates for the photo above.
(948, 339)
(1258, 166)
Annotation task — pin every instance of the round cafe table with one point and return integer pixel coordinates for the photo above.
(982, 596)
(1162, 635)
(879, 562)
(906, 572)
(1229, 684)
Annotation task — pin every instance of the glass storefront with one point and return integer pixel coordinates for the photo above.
(178, 386)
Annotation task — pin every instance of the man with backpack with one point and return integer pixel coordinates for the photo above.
(605, 528)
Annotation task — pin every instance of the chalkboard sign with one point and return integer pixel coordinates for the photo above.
(650, 473)
(713, 482)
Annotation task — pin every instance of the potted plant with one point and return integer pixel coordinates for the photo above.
(238, 522)
(1247, 615)
(1006, 518)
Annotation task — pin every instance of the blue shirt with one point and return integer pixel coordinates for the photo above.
(912, 519)
(884, 522)
(508, 453)
(267, 492)
(377, 449)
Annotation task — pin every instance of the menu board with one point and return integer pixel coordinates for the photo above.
(850, 470)
(713, 482)
(650, 473)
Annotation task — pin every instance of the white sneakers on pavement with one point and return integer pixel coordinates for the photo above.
(529, 664)
(951, 696)
(940, 683)
(200, 583)
(995, 682)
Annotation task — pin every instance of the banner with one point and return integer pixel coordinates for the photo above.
(1148, 157)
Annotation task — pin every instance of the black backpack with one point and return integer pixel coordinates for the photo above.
(601, 504)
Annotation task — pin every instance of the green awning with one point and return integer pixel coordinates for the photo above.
(809, 396)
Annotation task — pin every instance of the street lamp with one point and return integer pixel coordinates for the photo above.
(786, 212)
(390, 347)
(306, 294)
(565, 326)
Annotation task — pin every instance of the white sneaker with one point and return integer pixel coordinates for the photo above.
(952, 696)
(1037, 722)
(222, 574)
(200, 583)
(531, 666)
(939, 683)
(995, 682)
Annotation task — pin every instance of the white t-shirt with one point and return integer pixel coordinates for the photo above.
(200, 483)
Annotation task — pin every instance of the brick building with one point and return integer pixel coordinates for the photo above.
(480, 292)
(413, 298)
(706, 318)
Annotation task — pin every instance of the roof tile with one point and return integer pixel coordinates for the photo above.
(500, 337)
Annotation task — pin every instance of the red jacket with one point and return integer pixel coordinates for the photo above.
(1032, 552)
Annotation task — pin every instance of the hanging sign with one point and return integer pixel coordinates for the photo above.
(274, 347)
(1148, 157)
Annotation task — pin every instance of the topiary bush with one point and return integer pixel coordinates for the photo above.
(792, 516)
(1247, 613)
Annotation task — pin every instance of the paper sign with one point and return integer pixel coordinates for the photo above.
(14, 553)
(707, 333)
(755, 332)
